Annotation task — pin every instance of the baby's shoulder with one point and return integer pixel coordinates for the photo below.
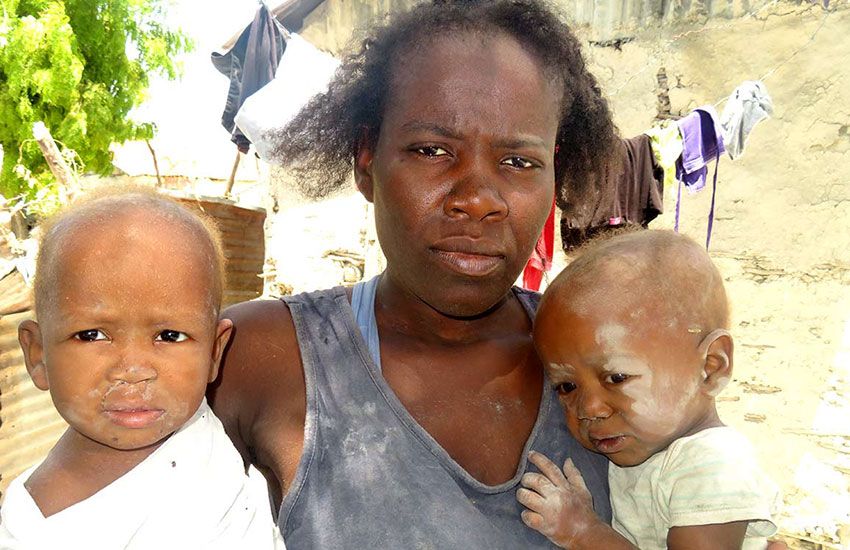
(713, 450)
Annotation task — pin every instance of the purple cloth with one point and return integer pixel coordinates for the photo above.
(702, 142)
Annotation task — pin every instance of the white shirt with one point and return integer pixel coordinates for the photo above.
(707, 478)
(191, 493)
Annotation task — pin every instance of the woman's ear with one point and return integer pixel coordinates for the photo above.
(717, 365)
(29, 336)
(363, 168)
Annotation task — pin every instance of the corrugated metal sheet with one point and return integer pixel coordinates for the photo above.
(244, 245)
(29, 424)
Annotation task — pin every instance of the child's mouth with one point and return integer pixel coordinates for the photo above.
(608, 445)
(133, 418)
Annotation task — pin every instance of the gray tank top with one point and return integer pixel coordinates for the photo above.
(370, 477)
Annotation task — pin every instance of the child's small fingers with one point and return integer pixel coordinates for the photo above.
(536, 481)
(573, 475)
(548, 468)
(530, 499)
(532, 519)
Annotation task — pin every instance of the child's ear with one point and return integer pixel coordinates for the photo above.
(717, 367)
(363, 169)
(29, 336)
(223, 330)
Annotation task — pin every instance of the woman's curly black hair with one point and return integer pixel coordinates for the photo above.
(321, 142)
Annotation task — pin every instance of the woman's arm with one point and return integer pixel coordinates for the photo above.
(260, 395)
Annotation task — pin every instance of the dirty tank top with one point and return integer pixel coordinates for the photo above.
(370, 477)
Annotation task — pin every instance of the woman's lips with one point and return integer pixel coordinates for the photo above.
(133, 418)
(469, 263)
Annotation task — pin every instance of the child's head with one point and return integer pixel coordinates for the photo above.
(127, 292)
(633, 336)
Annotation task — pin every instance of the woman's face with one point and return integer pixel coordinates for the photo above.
(462, 174)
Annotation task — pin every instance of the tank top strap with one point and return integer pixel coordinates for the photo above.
(363, 306)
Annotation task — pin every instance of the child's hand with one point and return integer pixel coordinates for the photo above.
(559, 506)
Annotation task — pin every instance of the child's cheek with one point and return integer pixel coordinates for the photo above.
(656, 403)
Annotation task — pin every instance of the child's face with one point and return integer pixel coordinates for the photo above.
(628, 387)
(130, 341)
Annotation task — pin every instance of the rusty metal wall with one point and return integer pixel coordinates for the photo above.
(244, 245)
(29, 424)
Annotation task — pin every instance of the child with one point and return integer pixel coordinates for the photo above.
(127, 294)
(633, 337)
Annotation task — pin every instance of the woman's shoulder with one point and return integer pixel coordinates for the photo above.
(261, 369)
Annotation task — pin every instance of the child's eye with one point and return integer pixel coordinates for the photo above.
(171, 336)
(616, 378)
(565, 387)
(90, 335)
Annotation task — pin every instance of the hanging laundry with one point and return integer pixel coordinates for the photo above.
(541, 259)
(748, 105)
(630, 192)
(667, 146)
(303, 72)
(702, 142)
(250, 65)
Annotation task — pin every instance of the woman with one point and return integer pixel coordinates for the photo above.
(457, 118)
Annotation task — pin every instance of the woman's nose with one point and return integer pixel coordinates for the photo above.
(475, 193)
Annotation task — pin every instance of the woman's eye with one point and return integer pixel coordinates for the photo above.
(518, 162)
(171, 336)
(90, 335)
(616, 378)
(431, 151)
(565, 387)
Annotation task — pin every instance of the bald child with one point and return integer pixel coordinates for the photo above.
(633, 336)
(127, 295)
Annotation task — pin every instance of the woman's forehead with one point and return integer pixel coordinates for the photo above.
(462, 75)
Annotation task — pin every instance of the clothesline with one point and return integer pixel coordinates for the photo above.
(664, 47)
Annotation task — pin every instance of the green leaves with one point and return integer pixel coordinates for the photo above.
(79, 66)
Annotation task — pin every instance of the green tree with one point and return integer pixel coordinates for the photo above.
(79, 66)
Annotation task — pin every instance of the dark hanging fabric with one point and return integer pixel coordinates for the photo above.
(629, 192)
(250, 64)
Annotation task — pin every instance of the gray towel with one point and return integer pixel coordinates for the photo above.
(748, 105)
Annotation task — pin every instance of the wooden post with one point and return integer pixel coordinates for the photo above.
(232, 175)
(155, 164)
(54, 158)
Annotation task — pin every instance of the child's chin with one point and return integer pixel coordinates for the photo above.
(131, 442)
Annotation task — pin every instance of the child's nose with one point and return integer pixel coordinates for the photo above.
(592, 405)
(134, 365)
